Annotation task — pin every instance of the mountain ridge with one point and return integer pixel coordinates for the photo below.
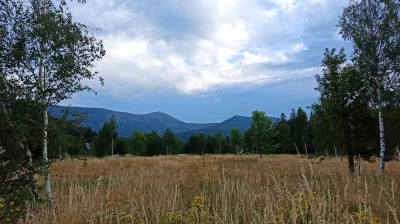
(157, 121)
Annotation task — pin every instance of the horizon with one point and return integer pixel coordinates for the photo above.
(205, 61)
(144, 114)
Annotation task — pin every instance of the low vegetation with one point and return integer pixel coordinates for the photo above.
(221, 189)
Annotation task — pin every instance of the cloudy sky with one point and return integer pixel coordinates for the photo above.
(207, 60)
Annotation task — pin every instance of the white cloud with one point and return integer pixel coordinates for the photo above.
(265, 57)
(299, 48)
(201, 46)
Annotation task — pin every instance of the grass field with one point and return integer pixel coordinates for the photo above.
(220, 189)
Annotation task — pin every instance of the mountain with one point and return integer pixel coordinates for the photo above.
(240, 122)
(128, 122)
(157, 121)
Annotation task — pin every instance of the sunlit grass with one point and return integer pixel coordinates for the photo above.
(220, 189)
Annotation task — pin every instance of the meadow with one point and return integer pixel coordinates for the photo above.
(220, 189)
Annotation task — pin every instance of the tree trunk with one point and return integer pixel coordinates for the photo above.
(112, 146)
(28, 154)
(382, 143)
(45, 126)
(45, 121)
(359, 164)
(351, 162)
(11, 126)
(46, 160)
(59, 147)
(305, 146)
(167, 149)
(334, 147)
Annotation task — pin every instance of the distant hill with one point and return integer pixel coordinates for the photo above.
(128, 122)
(157, 121)
(240, 122)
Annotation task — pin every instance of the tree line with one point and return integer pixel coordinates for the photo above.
(322, 132)
(289, 135)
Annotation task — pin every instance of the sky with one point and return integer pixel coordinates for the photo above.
(208, 60)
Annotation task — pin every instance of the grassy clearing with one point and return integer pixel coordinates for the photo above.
(220, 189)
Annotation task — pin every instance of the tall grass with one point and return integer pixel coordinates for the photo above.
(220, 189)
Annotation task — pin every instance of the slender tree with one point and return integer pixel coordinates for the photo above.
(248, 143)
(300, 130)
(169, 140)
(374, 26)
(56, 54)
(137, 143)
(343, 105)
(153, 144)
(202, 142)
(114, 133)
(220, 141)
(193, 144)
(262, 129)
(236, 138)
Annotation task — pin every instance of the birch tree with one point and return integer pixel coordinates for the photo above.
(373, 27)
(169, 140)
(342, 108)
(56, 56)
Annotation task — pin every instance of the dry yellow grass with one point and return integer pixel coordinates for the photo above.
(220, 189)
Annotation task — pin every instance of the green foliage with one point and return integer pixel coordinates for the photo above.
(65, 137)
(284, 137)
(202, 143)
(193, 144)
(323, 140)
(373, 27)
(178, 146)
(236, 138)
(220, 142)
(263, 132)
(300, 130)
(121, 146)
(113, 127)
(106, 140)
(169, 141)
(153, 144)
(45, 56)
(20, 134)
(248, 143)
(137, 143)
(342, 108)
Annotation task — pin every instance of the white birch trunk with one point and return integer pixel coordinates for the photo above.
(305, 146)
(45, 122)
(112, 146)
(45, 158)
(382, 142)
(29, 155)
